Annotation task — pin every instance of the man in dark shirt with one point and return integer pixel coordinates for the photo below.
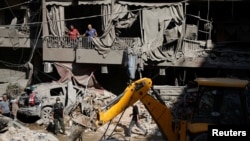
(57, 114)
(135, 121)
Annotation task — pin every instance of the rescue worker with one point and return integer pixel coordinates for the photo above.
(135, 121)
(57, 115)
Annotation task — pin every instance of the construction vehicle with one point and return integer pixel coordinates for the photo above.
(212, 100)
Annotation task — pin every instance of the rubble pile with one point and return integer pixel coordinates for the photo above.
(173, 98)
(88, 103)
(13, 90)
(146, 121)
(4, 123)
(120, 123)
(91, 100)
(98, 97)
(14, 131)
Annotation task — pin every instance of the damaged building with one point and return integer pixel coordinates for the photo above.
(135, 39)
(172, 42)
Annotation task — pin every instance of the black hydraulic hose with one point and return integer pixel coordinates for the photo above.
(103, 136)
(115, 100)
(158, 97)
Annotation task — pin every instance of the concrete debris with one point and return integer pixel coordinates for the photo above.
(171, 95)
(4, 121)
(39, 122)
(120, 124)
(26, 136)
(17, 132)
(88, 103)
(13, 90)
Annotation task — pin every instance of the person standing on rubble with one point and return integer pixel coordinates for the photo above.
(57, 114)
(5, 106)
(135, 121)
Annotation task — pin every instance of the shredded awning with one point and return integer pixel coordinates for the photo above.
(80, 2)
(93, 2)
(147, 4)
(78, 74)
(59, 2)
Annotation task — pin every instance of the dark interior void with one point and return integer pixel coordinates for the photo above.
(220, 106)
(86, 14)
(230, 19)
(117, 78)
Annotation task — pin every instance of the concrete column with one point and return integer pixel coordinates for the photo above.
(45, 31)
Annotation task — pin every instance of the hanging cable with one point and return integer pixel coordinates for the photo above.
(14, 5)
(53, 78)
(13, 65)
(208, 9)
(37, 12)
(9, 8)
(103, 136)
(116, 124)
(79, 18)
(35, 45)
(84, 17)
(38, 35)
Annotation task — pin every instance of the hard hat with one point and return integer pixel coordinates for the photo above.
(57, 99)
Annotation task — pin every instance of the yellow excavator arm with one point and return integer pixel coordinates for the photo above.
(132, 93)
(171, 129)
(138, 90)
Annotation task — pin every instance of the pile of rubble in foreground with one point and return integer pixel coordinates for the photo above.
(11, 130)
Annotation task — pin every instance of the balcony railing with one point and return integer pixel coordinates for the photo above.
(12, 37)
(66, 42)
(120, 43)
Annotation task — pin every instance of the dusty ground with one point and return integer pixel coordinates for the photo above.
(94, 136)
(97, 136)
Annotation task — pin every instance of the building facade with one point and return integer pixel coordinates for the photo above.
(164, 40)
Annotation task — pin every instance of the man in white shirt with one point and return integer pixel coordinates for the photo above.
(5, 106)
